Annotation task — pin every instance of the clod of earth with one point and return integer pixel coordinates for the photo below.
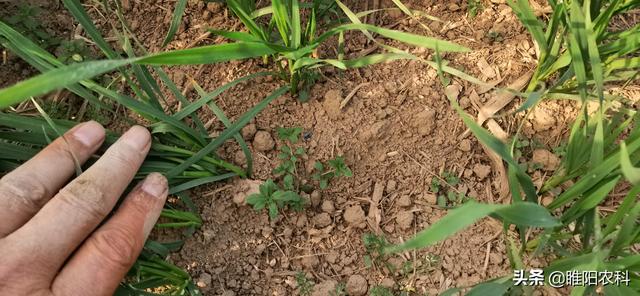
(322, 220)
(404, 219)
(245, 188)
(465, 145)
(331, 103)
(425, 122)
(354, 215)
(404, 201)
(249, 131)
(328, 207)
(357, 285)
(263, 141)
(481, 171)
(548, 160)
(325, 288)
(542, 120)
(316, 198)
(453, 91)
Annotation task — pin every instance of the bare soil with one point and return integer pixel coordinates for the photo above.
(397, 133)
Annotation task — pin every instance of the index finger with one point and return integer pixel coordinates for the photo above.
(72, 214)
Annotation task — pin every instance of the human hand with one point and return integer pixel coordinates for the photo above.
(52, 241)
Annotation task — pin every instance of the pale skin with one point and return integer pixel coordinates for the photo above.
(55, 236)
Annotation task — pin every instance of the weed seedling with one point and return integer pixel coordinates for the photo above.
(305, 286)
(273, 198)
(340, 290)
(26, 22)
(380, 291)
(375, 245)
(333, 169)
(474, 7)
(289, 157)
(446, 196)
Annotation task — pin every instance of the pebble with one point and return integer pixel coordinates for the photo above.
(391, 186)
(204, 280)
(357, 285)
(263, 141)
(316, 198)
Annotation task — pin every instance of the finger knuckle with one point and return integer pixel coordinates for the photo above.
(23, 193)
(125, 157)
(86, 196)
(117, 247)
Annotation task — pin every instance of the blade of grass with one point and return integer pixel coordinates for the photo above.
(176, 20)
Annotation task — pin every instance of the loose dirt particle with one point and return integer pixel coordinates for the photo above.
(547, 159)
(322, 220)
(354, 215)
(481, 171)
(425, 122)
(249, 131)
(453, 91)
(263, 141)
(331, 103)
(357, 285)
(245, 188)
(391, 186)
(465, 145)
(325, 288)
(404, 219)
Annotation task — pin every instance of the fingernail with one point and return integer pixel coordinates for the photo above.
(138, 137)
(89, 133)
(155, 185)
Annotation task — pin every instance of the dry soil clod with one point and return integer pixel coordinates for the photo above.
(357, 285)
(263, 141)
(548, 160)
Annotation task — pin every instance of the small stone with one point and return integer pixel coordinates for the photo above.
(208, 235)
(425, 122)
(548, 160)
(263, 141)
(542, 120)
(229, 293)
(357, 285)
(204, 280)
(404, 219)
(391, 186)
(316, 198)
(465, 145)
(331, 103)
(328, 207)
(354, 215)
(322, 220)
(248, 131)
(325, 288)
(404, 201)
(453, 91)
(481, 171)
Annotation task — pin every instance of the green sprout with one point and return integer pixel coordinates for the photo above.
(273, 198)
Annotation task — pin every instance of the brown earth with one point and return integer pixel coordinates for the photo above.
(397, 132)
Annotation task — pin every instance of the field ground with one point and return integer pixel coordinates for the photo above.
(397, 133)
